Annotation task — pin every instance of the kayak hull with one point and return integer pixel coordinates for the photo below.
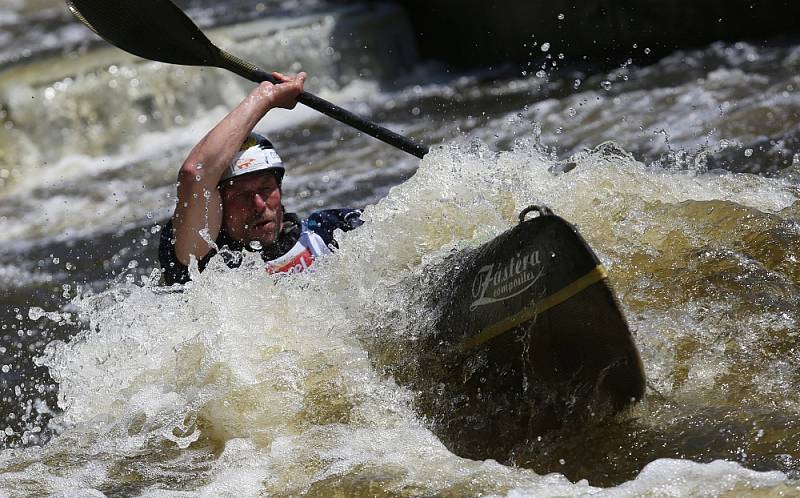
(528, 337)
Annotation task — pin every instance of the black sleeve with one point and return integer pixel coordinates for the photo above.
(174, 271)
(324, 222)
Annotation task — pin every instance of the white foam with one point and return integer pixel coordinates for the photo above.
(274, 372)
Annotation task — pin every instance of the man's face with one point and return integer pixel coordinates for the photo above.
(251, 208)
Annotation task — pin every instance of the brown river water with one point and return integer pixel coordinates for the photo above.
(686, 183)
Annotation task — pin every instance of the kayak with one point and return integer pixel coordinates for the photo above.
(528, 337)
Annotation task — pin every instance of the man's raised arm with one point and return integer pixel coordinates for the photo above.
(198, 213)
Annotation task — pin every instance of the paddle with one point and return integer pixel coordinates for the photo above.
(158, 30)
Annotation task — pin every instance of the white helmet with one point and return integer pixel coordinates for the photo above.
(256, 154)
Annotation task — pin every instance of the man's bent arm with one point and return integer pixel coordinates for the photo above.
(198, 213)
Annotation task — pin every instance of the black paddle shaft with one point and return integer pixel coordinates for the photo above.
(332, 110)
(159, 30)
(359, 123)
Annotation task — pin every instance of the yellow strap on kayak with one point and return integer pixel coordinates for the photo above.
(596, 275)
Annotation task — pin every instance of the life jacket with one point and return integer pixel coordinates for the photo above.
(299, 244)
(309, 246)
(316, 239)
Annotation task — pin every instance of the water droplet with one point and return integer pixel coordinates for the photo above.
(545, 46)
(540, 74)
(255, 245)
(572, 112)
(6, 368)
(606, 85)
(647, 50)
(576, 84)
(415, 111)
(35, 313)
(561, 17)
(748, 152)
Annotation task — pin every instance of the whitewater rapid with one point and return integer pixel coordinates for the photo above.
(683, 176)
(243, 383)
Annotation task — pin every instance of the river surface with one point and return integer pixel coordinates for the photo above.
(684, 176)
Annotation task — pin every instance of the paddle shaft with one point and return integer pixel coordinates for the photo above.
(256, 75)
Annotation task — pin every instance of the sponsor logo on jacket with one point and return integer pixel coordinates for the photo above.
(301, 256)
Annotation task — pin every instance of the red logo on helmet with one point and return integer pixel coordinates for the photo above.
(245, 164)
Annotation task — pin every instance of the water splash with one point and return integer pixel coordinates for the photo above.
(274, 383)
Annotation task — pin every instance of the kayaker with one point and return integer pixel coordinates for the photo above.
(229, 196)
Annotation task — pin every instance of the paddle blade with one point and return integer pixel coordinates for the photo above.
(152, 29)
